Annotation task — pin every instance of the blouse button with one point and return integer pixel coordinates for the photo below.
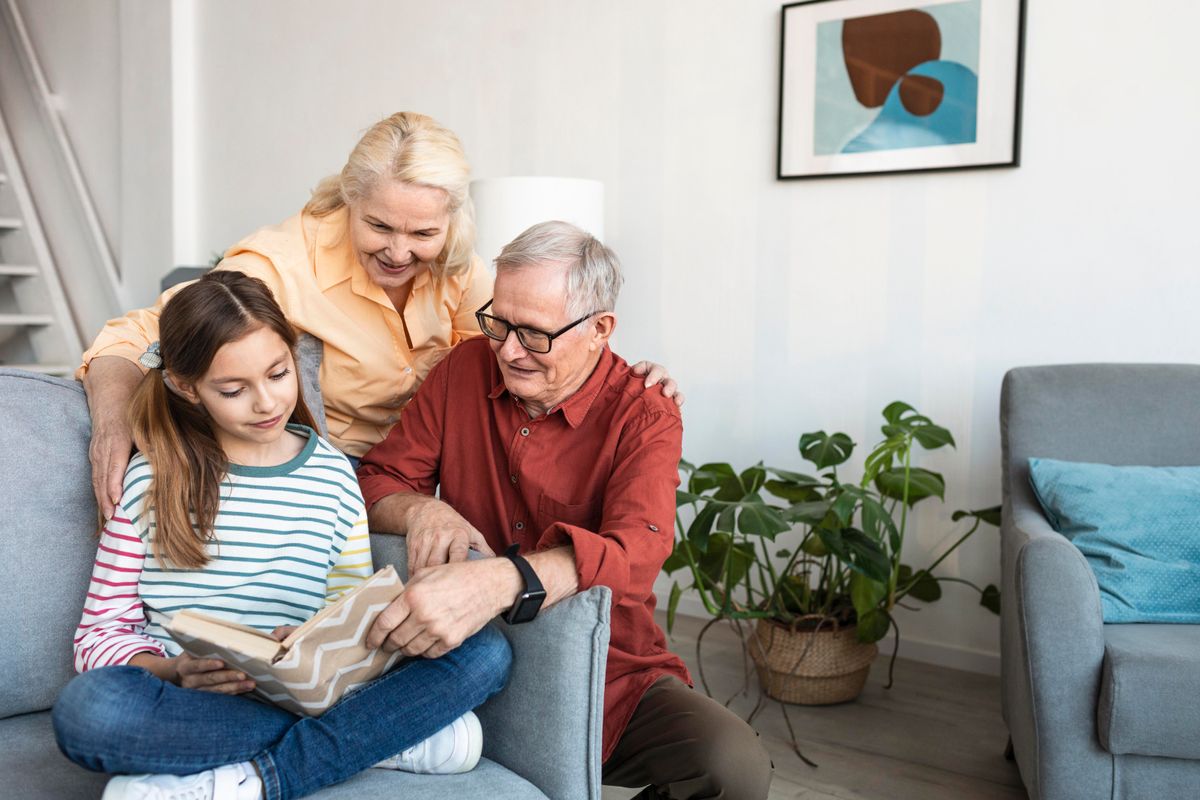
(520, 526)
(524, 431)
(513, 477)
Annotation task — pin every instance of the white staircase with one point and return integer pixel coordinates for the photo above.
(37, 330)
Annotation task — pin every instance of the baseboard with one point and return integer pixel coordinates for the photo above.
(939, 653)
(944, 655)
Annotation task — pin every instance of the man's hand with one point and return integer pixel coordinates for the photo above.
(437, 534)
(657, 373)
(442, 606)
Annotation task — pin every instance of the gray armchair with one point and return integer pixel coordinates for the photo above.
(1094, 710)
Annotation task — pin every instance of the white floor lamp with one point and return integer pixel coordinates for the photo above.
(506, 206)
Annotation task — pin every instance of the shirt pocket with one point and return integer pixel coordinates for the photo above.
(581, 515)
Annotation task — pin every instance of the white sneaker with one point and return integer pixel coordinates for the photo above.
(231, 782)
(455, 748)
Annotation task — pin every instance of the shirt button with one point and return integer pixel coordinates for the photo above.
(408, 369)
(654, 528)
(513, 477)
(520, 526)
(524, 431)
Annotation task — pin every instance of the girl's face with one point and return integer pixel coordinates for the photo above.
(249, 392)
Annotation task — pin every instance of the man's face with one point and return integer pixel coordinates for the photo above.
(535, 297)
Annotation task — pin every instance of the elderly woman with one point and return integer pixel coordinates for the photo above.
(379, 266)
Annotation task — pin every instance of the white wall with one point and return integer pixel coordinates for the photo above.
(79, 47)
(108, 65)
(781, 307)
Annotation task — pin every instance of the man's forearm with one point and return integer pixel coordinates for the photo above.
(556, 570)
(391, 513)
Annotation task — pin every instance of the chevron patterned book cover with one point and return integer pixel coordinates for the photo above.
(317, 663)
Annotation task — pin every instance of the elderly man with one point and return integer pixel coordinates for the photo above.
(543, 443)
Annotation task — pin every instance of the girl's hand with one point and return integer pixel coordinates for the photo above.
(657, 373)
(282, 632)
(210, 675)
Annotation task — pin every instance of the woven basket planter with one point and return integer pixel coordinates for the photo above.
(811, 668)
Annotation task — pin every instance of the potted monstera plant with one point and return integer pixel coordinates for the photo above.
(810, 614)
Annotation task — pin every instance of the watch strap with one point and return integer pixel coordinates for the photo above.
(530, 600)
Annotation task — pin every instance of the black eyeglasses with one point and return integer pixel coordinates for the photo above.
(531, 339)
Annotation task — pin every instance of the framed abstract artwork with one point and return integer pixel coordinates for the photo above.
(882, 86)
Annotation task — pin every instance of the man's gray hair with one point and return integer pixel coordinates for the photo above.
(593, 271)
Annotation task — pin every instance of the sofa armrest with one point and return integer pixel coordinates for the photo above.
(1061, 633)
(546, 724)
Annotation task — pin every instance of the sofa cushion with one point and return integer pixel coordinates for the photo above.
(1150, 691)
(1138, 527)
(48, 542)
(34, 769)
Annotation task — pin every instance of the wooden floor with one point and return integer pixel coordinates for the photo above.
(936, 735)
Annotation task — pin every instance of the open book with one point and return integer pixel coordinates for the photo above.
(317, 663)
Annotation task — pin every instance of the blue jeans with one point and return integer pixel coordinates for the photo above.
(125, 720)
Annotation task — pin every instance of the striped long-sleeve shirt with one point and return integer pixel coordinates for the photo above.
(288, 540)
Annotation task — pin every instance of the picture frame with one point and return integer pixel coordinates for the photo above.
(869, 87)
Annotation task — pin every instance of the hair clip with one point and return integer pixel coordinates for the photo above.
(151, 359)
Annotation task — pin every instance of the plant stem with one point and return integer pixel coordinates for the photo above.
(908, 586)
(954, 546)
(895, 577)
(778, 579)
(962, 581)
(697, 577)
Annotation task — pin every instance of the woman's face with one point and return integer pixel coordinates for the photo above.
(398, 230)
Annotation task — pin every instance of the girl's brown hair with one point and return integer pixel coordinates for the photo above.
(176, 435)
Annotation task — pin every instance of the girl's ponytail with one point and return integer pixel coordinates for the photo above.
(188, 466)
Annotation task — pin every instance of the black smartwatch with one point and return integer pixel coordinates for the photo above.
(531, 597)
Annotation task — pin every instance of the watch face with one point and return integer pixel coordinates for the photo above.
(526, 607)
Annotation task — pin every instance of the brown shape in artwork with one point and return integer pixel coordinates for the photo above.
(881, 48)
(920, 94)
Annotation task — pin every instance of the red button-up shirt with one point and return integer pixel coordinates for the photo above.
(598, 472)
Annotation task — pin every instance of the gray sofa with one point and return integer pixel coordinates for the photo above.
(1094, 710)
(542, 733)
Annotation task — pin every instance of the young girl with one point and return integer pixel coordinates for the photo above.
(236, 507)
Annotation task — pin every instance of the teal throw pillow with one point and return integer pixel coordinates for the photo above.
(1138, 528)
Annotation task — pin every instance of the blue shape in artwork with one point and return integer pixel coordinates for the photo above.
(953, 122)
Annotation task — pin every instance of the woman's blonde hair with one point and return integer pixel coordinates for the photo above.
(411, 148)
